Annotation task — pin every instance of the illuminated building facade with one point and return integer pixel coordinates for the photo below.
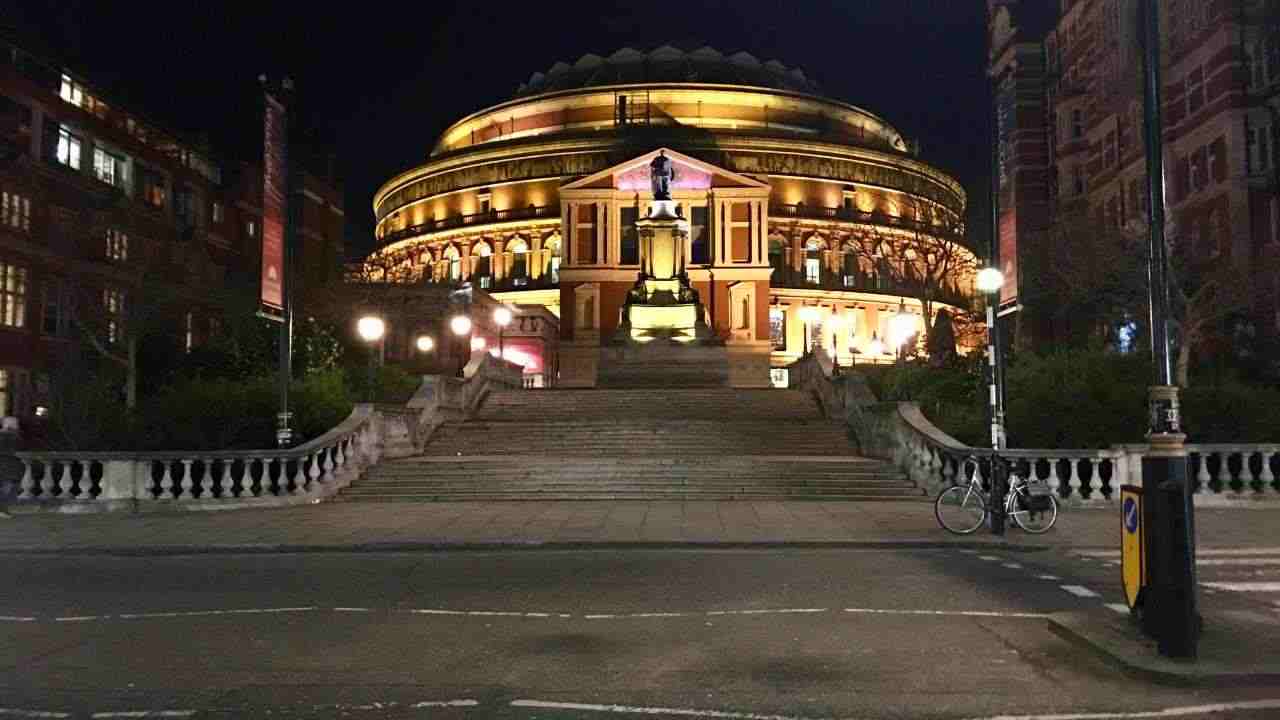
(793, 201)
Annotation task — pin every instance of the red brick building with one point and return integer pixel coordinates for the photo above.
(1069, 108)
(93, 195)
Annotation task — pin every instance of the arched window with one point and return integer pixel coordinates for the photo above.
(813, 248)
(483, 268)
(519, 250)
(454, 260)
(552, 246)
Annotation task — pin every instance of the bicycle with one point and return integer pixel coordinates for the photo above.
(962, 509)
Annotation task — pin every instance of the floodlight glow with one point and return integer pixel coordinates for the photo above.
(990, 280)
(460, 324)
(901, 326)
(371, 328)
(426, 343)
(502, 316)
(477, 343)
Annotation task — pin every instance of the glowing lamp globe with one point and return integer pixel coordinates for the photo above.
(502, 316)
(477, 343)
(426, 343)
(370, 328)
(990, 279)
(460, 324)
(877, 346)
(808, 313)
(901, 327)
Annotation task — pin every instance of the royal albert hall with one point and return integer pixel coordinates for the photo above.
(812, 223)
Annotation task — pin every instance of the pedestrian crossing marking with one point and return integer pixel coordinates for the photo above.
(1245, 586)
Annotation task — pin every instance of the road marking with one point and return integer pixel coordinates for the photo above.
(989, 558)
(1048, 577)
(634, 710)
(969, 552)
(1238, 561)
(1165, 713)
(1119, 607)
(962, 613)
(1200, 552)
(1012, 566)
(16, 618)
(202, 613)
(1245, 586)
(484, 613)
(445, 703)
(146, 714)
(1079, 591)
(784, 611)
(351, 609)
(16, 712)
(78, 618)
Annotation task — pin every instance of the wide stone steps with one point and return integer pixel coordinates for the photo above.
(625, 444)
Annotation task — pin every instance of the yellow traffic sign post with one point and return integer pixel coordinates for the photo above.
(1133, 546)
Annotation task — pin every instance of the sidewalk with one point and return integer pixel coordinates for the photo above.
(408, 526)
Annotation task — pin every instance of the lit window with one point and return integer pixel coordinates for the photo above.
(68, 148)
(15, 211)
(778, 328)
(251, 228)
(189, 337)
(71, 91)
(812, 270)
(113, 303)
(218, 212)
(117, 246)
(108, 168)
(13, 295)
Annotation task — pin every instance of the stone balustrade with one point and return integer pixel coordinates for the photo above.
(899, 431)
(69, 481)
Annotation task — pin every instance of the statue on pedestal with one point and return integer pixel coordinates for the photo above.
(662, 173)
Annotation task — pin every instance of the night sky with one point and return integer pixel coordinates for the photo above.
(378, 82)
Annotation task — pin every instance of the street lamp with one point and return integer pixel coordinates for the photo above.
(426, 343)
(835, 329)
(901, 327)
(501, 316)
(371, 329)
(875, 347)
(808, 314)
(460, 325)
(989, 281)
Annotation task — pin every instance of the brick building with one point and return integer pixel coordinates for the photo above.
(93, 196)
(1070, 114)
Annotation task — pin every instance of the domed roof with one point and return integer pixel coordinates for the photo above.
(668, 64)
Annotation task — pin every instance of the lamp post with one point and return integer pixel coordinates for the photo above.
(989, 281)
(808, 314)
(875, 347)
(501, 316)
(371, 329)
(461, 326)
(901, 326)
(835, 329)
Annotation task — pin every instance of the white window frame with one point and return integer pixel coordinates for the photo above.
(108, 167)
(15, 211)
(70, 147)
(71, 91)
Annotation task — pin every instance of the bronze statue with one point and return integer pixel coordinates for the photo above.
(662, 172)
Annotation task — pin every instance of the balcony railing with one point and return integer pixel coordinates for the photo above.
(784, 277)
(482, 218)
(848, 214)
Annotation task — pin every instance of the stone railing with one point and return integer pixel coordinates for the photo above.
(899, 432)
(68, 481)
(113, 481)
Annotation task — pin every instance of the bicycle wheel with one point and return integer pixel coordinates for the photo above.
(1039, 521)
(960, 509)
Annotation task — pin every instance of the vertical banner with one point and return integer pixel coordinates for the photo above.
(273, 206)
(1007, 223)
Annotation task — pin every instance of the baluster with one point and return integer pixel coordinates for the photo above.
(186, 483)
(1054, 480)
(206, 478)
(223, 482)
(327, 460)
(314, 472)
(299, 477)
(49, 482)
(1095, 477)
(1267, 478)
(166, 480)
(1073, 478)
(28, 482)
(1202, 475)
(341, 458)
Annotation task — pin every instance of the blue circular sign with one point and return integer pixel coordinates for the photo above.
(1130, 511)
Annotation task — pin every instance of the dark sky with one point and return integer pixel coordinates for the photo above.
(378, 81)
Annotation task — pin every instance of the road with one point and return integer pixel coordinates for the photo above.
(787, 633)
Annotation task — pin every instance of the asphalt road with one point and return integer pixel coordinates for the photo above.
(780, 633)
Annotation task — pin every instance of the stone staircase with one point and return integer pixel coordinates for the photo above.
(651, 444)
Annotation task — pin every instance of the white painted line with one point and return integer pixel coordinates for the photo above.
(633, 710)
(1118, 607)
(1165, 713)
(484, 613)
(78, 618)
(16, 712)
(599, 617)
(445, 703)
(1200, 552)
(16, 618)
(146, 714)
(1113, 562)
(1245, 586)
(969, 552)
(1238, 561)
(784, 611)
(425, 611)
(205, 613)
(1079, 591)
(1012, 566)
(989, 558)
(1048, 577)
(960, 613)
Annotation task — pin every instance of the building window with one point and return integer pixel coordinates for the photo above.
(117, 246)
(699, 247)
(778, 328)
(1255, 59)
(218, 212)
(1195, 90)
(108, 167)
(555, 268)
(630, 240)
(68, 148)
(251, 228)
(1258, 155)
(1198, 171)
(1077, 124)
(13, 295)
(812, 270)
(151, 188)
(52, 323)
(71, 91)
(15, 211)
(113, 304)
(1077, 180)
(6, 393)
(189, 334)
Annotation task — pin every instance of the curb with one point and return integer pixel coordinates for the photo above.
(505, 545)
(1138, 657)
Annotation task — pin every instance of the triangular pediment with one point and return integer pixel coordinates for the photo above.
(690, 174)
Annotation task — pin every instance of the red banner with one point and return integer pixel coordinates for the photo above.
(273, 205)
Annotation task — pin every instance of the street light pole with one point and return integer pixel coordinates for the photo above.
(372, 329)
(990, 280)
